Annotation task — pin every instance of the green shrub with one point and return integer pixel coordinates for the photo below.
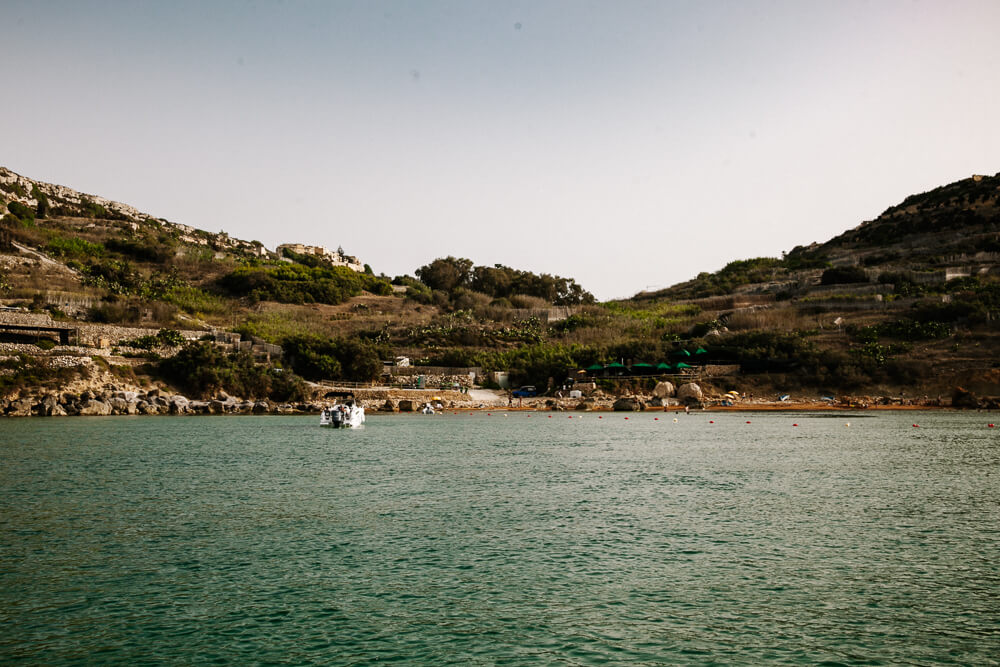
(196, 301)
(162, 338)
(838, 275)
(21, 212)
(902, 329)
(152, 251)
(73, 248)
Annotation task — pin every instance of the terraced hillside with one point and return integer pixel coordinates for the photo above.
(905, 304)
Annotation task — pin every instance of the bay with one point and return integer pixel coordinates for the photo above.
(502, 538)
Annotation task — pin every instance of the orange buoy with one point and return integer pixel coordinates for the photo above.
(711, 421)
(794, 424)
(915, 426)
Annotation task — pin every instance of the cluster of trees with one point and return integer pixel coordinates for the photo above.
(317, 358)
(296, 283)
(203, 370)
(451, 274)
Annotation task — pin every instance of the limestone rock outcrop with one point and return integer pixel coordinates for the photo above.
(689, 393)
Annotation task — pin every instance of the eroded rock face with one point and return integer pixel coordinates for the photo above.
(19, 408)
(146, 408)
(178, 404)
(689, 393)
(627, 405)
(94, 407)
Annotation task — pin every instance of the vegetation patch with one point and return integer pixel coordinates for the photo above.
(296, 283)
(203, 370)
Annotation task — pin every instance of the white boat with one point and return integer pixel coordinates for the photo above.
(343, 415)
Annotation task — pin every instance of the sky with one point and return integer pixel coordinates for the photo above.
(627, 144)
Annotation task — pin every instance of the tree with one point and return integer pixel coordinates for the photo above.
(446, 273)
(42, 209)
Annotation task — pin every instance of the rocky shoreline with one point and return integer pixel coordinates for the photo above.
(115, 399)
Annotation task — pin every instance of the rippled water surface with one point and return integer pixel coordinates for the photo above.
(475, 539)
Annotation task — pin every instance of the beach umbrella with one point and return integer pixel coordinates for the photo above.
(681, 364)
(616, 367)
(663, 366)
(701, 350)
(596, 367)
(642, 368)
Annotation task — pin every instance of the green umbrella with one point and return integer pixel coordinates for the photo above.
(642, 365)
(615, 364)
(701, 350)
(685, 353)
(663, 366)
(681, 364)
(596, 367)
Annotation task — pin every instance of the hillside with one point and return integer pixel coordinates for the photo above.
(907, 300)
(905, 304)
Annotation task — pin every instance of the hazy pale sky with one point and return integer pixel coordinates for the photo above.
(626, 144)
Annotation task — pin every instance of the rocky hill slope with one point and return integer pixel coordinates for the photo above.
(902, 305)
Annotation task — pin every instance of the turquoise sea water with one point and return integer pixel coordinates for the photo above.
(474, 539)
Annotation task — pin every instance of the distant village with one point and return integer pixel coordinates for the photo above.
(334, 257)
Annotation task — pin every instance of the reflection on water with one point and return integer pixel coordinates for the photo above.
(468, 539)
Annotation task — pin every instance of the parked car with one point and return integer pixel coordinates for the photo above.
(525, 392)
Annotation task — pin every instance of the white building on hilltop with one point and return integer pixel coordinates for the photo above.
(334, 257)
